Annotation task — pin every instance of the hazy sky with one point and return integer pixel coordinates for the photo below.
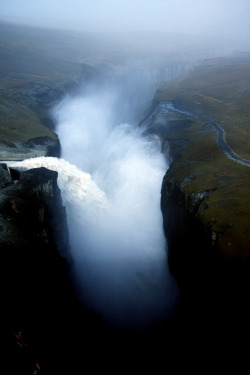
(190, 16)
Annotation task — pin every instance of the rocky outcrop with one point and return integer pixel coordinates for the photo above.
(29, 208)
(35, 288)
(5, 177)
(191, 250)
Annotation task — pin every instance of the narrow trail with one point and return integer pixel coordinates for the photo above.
(220, 134)
(224, 147)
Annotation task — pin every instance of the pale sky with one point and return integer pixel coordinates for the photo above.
(217, 17)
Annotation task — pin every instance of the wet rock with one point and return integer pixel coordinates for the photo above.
(15, 174)
(21, 203)
(5, 177)
(35, 287)
(189, 242)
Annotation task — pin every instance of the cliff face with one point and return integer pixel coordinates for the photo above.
(35, 289)
(190, 243)
(204, 194)
(202, 163)
(29, 208)
(205, 201)
(214, 290)
(210, 179)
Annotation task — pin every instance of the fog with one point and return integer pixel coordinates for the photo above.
(214, 18)
(120, 251)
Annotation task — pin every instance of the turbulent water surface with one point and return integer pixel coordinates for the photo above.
(110, 178)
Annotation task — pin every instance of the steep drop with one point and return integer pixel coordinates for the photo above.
(114, 217)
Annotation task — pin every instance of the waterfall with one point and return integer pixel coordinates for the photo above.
(77, 187)
(111, 191)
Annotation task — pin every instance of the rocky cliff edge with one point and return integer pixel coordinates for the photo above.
(35, 288)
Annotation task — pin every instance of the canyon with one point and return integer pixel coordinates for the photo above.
(204, 200)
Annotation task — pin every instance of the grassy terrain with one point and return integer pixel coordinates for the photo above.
(30, 60)
(33, 57)
(218, 90)
(18, 123)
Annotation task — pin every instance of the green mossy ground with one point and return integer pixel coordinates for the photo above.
(31, 59)
(228, 206)
(19, 123)
(219, 90)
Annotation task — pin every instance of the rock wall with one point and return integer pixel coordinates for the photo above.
(190, 250)
(29, 206)
(214, 289)
(35, 289)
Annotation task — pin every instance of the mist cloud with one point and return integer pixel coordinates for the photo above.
(204, 17)
(119, 250)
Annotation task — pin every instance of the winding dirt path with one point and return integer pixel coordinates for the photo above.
(220, 135)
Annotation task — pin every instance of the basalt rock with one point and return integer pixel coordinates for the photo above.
(31, 206)
(5, 177)
(191, 251)
(35, 288)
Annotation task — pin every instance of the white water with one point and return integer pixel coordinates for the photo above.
(77, 187)
(114, 215)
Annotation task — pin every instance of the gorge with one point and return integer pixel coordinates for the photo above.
(122, 292)
(117, 242)
(104, 290)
